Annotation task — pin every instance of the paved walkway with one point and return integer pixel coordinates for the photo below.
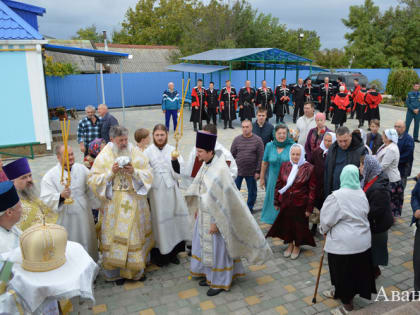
(281, 286)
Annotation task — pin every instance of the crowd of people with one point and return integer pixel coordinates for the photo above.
(349, 185)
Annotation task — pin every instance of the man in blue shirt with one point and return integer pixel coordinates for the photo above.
(89, 129)
(406, 148)
(413, 110)
(171, 105)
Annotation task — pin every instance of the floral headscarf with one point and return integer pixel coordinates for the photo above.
(95, 147)
(371, 168)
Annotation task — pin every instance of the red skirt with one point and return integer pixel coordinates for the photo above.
(292, 225)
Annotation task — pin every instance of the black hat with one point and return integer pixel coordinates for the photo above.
(205, 141)
(8, 196)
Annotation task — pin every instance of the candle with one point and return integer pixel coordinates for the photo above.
(62, 159)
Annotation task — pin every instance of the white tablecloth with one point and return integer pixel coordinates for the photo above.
(74, 278)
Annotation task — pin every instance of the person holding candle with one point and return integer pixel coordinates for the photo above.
(77, 217)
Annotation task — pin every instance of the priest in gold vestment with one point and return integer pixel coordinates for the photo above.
(33, 208)
(121, 177)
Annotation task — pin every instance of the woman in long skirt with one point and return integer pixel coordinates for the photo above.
(375, 184)
(295, 196)
(344, 219)
(388, 157)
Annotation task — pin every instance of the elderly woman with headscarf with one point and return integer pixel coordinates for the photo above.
(388, 157)
(375, 185)
(276, 152)
(344, 220)
(315, 136)
(318, 158)
(295, 196)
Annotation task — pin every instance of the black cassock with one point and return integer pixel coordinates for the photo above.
(247, 101)
(228, 100)
(264, 97)
(282, 100)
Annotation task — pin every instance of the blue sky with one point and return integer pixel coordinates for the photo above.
(64, 18)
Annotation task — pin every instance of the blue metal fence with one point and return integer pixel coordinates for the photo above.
(145, 88)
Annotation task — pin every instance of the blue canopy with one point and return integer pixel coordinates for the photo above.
(247, 54)
(197, 68)
(101, 56)
(287, 66)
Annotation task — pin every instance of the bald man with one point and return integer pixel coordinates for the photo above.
(406, 147)
(107, 121)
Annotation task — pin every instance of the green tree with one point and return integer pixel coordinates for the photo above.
(400, 82)
(195, 26)
(391, 39)
(58, 69)
(89, 33)
(365, 48)
(332, 58)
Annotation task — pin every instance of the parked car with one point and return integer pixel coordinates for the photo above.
(347, 77)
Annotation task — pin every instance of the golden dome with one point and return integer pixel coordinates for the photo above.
(43, 247)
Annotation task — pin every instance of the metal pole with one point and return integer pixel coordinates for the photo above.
(310, 68)
(122, 92)
(230, 70)
(275, 68)
(247, 70)
(285, 69)
(97, 89)
(102, 83)
(255, 78)
(264, 70)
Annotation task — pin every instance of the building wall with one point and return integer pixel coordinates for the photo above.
(23, 110)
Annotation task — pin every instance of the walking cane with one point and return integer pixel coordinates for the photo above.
(319, 274)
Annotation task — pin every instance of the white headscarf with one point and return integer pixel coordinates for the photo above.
(363, 135)
(392, 135)
(295, 168)
(322, 145)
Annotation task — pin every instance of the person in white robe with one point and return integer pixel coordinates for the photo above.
(121, 177)
(170, 217)
(10, 214)
(77, 217)
(193, 164)
(224, 228)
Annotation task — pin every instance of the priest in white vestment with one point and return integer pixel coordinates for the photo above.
(77, 217)
(193, 164)
(224, 228)
(34, 210)
(170, 217)
(121, 177)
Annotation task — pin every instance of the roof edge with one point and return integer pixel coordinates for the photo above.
(20, 21)
(25, 7)
(137, 46)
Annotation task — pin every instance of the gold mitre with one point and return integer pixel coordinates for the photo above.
(43, 247)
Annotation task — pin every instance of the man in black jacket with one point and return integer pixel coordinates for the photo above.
(298, 99)
(212, 102)
(346, 150)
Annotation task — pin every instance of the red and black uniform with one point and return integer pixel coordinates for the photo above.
(326, 91)
(228, 104)
(265, 99)
(309, 88)
(340, 107)
(282, 94)
(212, 99)
(339, 84)
(372, 99)
(247, 101)
(359, 105)
(198, 107)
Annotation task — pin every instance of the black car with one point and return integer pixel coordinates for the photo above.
(346, 76)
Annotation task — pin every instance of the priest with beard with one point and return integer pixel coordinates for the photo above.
(32, 207)
(121, 177)
(77, 217)
(224, 231)
(170, 217)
